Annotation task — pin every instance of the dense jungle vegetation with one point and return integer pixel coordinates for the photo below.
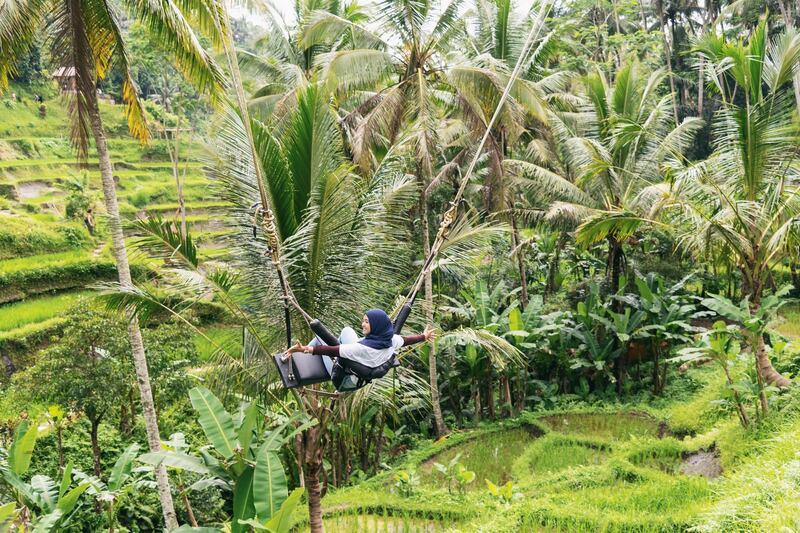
(593, 202)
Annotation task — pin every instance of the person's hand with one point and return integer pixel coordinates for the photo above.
(429, 333)
(298, 348)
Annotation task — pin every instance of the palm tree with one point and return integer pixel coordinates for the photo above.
(479, 82)
(405, 66)
(744, 197)
(606, 165)
(87, 37)
(285, 58)
(341, 236)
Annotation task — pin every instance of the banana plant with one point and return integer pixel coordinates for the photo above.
(123, 480)
(242, 459)
(669, 315)
(40, 504)
(720, 345)
(753, 320)
(456, 474)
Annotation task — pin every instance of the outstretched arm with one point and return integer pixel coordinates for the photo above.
(331, 351)
(427, 335)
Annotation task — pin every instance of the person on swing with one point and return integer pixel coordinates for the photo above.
(376, 347)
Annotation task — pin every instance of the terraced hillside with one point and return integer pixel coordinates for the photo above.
(47, 258)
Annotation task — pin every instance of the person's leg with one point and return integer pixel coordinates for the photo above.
(348, 336)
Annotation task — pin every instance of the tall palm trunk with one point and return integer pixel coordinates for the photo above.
(173, 147)
(438, 420)
(614, 269)
(124, 272)
(668, 54)
(523, 276)
(312, 469)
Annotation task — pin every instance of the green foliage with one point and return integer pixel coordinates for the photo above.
(250, 468)
(43, 504)
(455, 474)
(22, 237)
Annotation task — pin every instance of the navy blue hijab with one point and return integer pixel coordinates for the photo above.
(381, 330)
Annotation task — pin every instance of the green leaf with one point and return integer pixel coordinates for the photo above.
(269, 483)
(243, 507)
(67, 503)
(19, 455)
(216, 422)
(281, 522)
(8, 513)
(66, 479)
(190, 529)
(48, 522)
(122, 467)
(507, 490)
(247, 427)
(176, 460)
(254, 523)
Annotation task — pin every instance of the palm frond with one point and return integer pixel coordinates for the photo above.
(500, 351)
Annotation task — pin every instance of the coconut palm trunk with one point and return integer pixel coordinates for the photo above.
(135, 334)
(438, 419)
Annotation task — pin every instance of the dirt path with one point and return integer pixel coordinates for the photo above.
(99, 250)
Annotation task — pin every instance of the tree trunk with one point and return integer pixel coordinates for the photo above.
(313, 449)
(522, 388)
(520, 257)
(508, 404)
(188, 506)
(739, 406)
(95, 426)
(668, 54)
(614, 269)
(770, 375)
(123, 270)
(477, 416)
(173, 147)
(314, 498)
(433, 377)
(656, 388)
(490, 397)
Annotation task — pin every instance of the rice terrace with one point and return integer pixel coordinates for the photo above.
(399, 266)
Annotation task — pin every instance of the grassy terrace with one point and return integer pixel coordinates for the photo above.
(43, 261)
(19, 314)
(42, 252)
(570, 471)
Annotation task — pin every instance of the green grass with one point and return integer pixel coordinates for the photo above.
(377, 523)
(553, 453)
(621, 426)
(19, 314)
(490, 457)
(788, 324)
(44, 260)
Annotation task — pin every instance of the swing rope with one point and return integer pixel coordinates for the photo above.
(450, 215)
(264, 215)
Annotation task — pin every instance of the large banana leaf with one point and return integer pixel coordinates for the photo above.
(243, 507)
(269, 483)
(122, 468)
(19, 455)
(176, 460)
(216, 422)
